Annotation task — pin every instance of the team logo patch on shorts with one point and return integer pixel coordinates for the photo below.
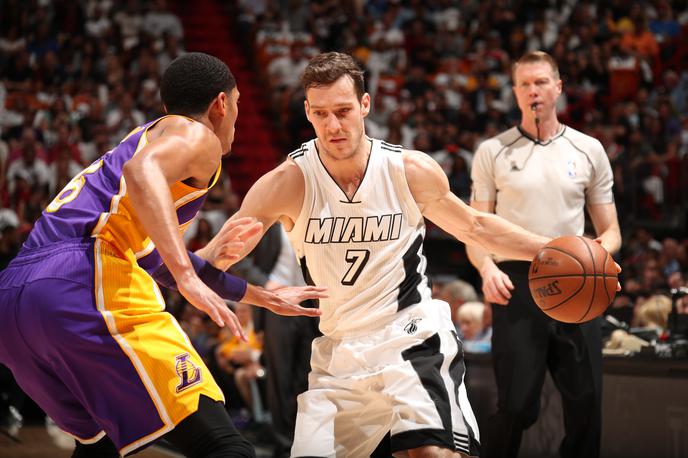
(189, 374)
(411, 327)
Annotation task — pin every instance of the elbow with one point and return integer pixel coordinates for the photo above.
(477, 234)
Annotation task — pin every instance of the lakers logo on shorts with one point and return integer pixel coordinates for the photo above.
(189, 374)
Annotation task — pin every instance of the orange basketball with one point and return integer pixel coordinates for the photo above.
(573, 279)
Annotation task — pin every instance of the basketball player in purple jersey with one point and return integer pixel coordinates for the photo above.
(83, 325)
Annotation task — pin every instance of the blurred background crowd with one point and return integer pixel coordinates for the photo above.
(77, 76)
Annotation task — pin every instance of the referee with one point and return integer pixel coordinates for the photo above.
(541, 175)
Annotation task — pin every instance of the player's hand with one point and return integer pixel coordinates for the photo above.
(497, 285)
(230, 244)
(205, 299)
(285, 301)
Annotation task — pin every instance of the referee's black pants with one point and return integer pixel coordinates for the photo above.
(525, 343)
(287, 350)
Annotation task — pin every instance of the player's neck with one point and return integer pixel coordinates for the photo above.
(543, 130)
(347, 172)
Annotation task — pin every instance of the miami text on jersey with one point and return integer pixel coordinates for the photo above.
(354, 229)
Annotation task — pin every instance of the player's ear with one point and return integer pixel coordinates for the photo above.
(222, 101)
(218, 107)
(307, 109)
(365, 104)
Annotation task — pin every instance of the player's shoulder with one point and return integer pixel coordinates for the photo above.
(299, 153)
(582, 141)
(281, 186)
(195, 134)
(288, 175)
(419, 165)
(391, 147)
(287, 172)
(494, 145)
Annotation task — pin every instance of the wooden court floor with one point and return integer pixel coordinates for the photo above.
(36, 443)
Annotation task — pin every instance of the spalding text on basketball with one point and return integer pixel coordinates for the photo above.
(541, 260)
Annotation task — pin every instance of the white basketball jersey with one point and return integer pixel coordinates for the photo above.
(368, 249)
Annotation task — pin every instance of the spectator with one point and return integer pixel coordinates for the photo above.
(475, 335)
(130, 23)
(653, 313)
(241, 359)
(62, 170)
(159, 20)
(123, 117)
(98, 24)
(30, 168)
(9, 236)
(456, 293)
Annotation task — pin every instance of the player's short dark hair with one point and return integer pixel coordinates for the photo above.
(192, 81)
(326, 68)
(533, 57)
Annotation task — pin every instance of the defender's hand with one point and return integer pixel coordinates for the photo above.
(285, 301)
(229, 244)
(204, 299)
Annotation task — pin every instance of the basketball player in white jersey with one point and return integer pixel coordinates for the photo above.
(353, 208)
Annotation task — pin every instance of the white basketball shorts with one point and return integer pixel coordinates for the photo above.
(405, 378)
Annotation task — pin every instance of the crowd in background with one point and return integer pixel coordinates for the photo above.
(76, 77)
(439, 74)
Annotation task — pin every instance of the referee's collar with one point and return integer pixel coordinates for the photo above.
(540, 142)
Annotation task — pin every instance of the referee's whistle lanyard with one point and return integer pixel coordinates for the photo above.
(535, 142)
(515, 167)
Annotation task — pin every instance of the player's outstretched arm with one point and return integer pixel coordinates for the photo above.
(282, 301)
(277, 195)
(286, 300)
(186, 150)
(430, 188)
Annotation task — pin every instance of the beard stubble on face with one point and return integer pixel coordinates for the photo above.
(354, 146)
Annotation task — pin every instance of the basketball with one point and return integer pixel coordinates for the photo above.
(573, 279)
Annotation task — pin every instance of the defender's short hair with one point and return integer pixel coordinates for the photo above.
(326, 68)
(534, 57)
(192, 81)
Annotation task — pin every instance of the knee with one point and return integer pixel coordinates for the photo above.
(525, 415)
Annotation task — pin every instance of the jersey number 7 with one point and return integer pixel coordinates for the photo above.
(357, 259)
